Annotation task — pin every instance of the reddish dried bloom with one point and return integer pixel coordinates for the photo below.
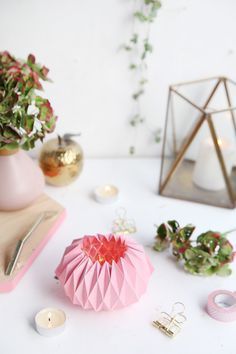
(31, 59)
(182, 249)
(44, 71)
(36, 81)
(216, 235)
(15, 69)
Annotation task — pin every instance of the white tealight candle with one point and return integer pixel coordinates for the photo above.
(106, 194)
(50, 322)
(207, 172)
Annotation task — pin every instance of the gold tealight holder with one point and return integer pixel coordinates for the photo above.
(199, 147)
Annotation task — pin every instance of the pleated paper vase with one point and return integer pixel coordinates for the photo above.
(104, 272)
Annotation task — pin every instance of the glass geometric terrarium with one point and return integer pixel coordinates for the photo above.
(199, 147)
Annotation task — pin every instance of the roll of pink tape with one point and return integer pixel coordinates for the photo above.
(221, 305)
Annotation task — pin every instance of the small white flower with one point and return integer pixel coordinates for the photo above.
(37, 124)
(32, 110)
(16, 108)
(17, 91)
(22, 131)
(37, 127)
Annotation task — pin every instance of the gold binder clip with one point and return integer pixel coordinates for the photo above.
(170, 324)
(122, 225)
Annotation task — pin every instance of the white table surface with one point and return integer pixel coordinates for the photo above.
(126, 331)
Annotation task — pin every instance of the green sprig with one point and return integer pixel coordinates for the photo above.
(139, 47)
(210, 254)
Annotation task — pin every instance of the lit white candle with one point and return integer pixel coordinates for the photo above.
(50, 322)
(106, 194)
(207, 172)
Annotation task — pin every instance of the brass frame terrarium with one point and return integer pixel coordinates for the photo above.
(199, 111)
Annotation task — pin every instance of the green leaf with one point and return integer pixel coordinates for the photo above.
(137, 119)
(173, 224)
(226, 250)
(127, 48)
(224, 271)
(133, 66)
(132, 150)
(141, 16)
(137, 94)
(134, 38)
(11, 146)
(143, 81)
(188, 230)
(160, 245)
(147, 46)
(189, 254)
(157, 136)
(162, 231)
(155, 3)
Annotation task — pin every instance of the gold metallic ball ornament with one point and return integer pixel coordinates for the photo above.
(61, 160)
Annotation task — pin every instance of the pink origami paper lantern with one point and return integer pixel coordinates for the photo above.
(104, 272)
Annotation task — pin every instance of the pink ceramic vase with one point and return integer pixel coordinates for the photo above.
(21, 180)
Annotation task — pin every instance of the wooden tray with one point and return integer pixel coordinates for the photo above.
(14, 225)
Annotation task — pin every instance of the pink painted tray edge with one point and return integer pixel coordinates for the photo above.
(9, 286)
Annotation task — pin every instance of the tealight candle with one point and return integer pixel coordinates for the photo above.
(106, 194)
(50, 322)
(207, 171)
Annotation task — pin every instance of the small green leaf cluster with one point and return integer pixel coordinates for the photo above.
(210, 254)
(149, 16)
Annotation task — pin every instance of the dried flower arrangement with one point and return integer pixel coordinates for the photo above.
(25, 116)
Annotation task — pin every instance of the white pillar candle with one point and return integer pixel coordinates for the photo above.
(50, 322)
(207, 172)
(106, 194)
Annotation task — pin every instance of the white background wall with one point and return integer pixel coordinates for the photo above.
(79, 40)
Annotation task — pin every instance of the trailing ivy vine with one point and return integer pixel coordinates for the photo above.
(139, 48)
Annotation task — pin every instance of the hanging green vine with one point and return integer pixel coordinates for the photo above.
(139, 48)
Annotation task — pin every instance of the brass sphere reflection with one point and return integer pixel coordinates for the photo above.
(61, 160)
